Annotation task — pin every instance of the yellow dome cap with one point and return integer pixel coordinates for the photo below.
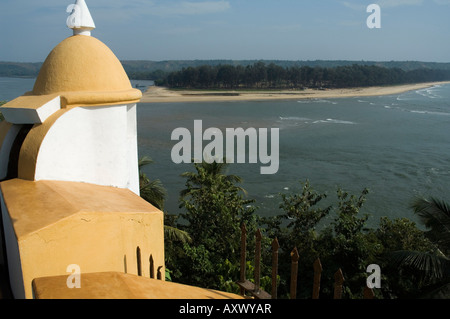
(80, 71)
(84, 70)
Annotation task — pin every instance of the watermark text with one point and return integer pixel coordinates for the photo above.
(233, 143)
(374, 20)
(374, 279)
(74, 279)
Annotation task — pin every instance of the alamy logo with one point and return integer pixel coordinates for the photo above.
(374, 20)
(235, 143)
(74, 19)
(74, 279)
(374, 279)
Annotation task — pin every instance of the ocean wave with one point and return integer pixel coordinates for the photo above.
(293, 118)
(429, 112)
(429, 92)
(317, 101)
(417, 111)
(286, 122)
(334, 121)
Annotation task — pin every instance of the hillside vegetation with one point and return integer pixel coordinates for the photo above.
(158, 70)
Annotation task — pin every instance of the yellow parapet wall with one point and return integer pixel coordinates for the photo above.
(50, 225)
(113, 285)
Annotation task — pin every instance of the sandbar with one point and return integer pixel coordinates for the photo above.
(156, 94)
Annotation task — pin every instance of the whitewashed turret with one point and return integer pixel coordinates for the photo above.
(82, 94)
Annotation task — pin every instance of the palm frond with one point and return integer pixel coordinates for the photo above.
(143, 161)
(175, 234)
(435, 215)
(208, 175)
(154, 193)
(432, 266)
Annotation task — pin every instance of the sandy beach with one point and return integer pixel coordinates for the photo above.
(156, 94)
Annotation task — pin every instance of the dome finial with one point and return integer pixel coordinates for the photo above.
(80, 19)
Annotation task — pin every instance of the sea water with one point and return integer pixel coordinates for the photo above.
(397, 146)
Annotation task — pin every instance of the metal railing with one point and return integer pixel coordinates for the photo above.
(254, 289)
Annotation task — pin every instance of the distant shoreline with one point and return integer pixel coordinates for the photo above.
(156, 94)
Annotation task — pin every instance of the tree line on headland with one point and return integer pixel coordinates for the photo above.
(272, 76)
(266, 74)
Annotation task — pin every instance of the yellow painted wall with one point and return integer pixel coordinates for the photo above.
(57, 224)
(94, 241)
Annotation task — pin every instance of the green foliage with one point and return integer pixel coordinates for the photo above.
(227, 274)
(435, 215)
(402, 233)
(159, 70)
(154, 192)
(347, 243)
(151, 190)
(344, 242)
(301, 209)
(214, 209)
(200, 264)
(398, 236)
(341, 243)
(272, 75)
(348, 224)
(429, 266)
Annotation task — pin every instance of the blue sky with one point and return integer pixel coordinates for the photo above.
(235, 29)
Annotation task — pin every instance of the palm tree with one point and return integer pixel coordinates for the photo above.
(213, 202)
(151, 190)
(214, 208)
(154, 192)
(209, 175)
(433, 266)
